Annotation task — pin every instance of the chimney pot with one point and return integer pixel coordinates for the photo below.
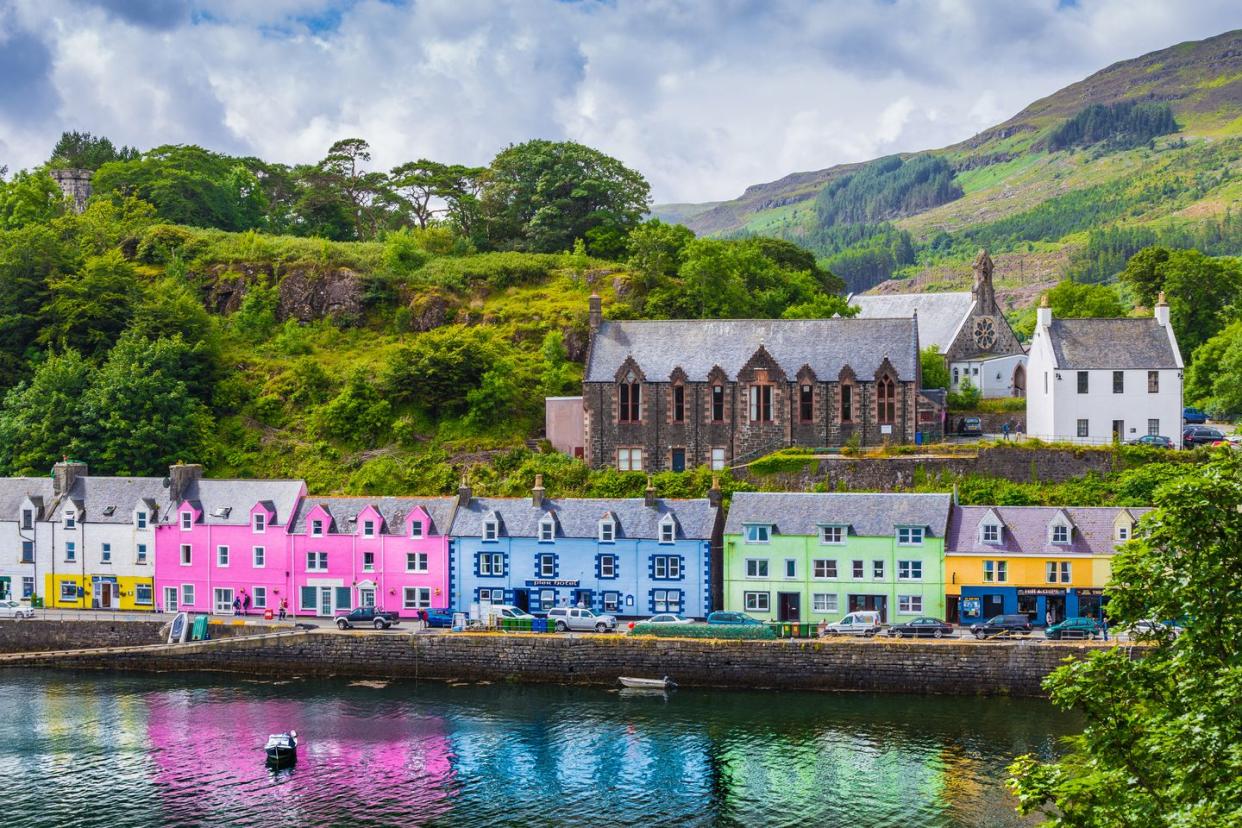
(649, 496)
(463, 493)
(714, 496)
(536, 493)
(596, 315)
(1161, 311)
(65, 474)
(180, 477)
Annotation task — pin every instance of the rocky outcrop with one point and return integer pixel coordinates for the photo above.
(306, 295)
(430, 311)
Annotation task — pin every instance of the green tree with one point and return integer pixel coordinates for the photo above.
(29, 198)
(557, 375)
(1202, 293)
(29, 259)
(439, 369)
(83, 151)
(88, 310)
(1161, 731)
(171, 308)
(1078, 301)
(340, 186)
(40, 418)
(935, 371)
(655, 253)
(357, 415)
(1143, 274)
(821, 306)
(1214, 379)
(255, 318)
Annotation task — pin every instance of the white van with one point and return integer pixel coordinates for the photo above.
(856, 623)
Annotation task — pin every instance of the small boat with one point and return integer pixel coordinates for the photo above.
(665, 683)
(282, 748)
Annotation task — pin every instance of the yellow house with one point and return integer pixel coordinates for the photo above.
(96, 591)
(1047, 562)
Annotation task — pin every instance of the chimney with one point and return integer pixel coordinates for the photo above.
(64, 474)
(463, 494)
(714, 496)
(1043, 316)
(649, 496)
(536, 494)
(180, 477)
(1162, 310)
(597, 312)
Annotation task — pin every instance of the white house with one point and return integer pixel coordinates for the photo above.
(23, 506)
(1091, 379)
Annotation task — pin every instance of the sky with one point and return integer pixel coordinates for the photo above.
(704, 97)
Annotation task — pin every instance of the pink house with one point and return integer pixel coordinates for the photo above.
(385, 552)
(224, 541)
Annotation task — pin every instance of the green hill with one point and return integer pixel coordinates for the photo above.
(1147, 150)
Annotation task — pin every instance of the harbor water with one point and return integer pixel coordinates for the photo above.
(93, 749)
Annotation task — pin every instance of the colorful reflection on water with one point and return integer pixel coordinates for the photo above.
(136, 750)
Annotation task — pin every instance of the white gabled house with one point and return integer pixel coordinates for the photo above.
(1096, 380)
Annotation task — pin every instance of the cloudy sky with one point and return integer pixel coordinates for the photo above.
(702, 96)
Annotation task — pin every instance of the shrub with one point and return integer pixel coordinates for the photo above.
(161, 243)
(722, 631)
(785, 461)
(497, 270)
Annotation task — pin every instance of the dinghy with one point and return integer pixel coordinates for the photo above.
(282, 748)
(665, 683)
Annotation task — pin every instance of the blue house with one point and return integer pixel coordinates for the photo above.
(629, 557)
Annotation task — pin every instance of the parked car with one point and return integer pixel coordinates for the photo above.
(439, 618)
(1192, 415)
(1151, 628)
(509, 611)
(970, 426)
(1232, 442)
(368, 617)
(574, 618)
(1153, 440)
(922, 628)
(1073, 628)
(1199, 435)
(15, 610)
(669, 618)
(1002, 625)
(864, 623)
(723, 617)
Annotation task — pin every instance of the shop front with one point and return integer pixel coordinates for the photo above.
(1043, 605)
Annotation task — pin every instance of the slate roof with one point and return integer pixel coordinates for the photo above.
(869, 515)
(1026, 529)
(940, 314)
(14, 490)
(697, 345)
(95, 494)
(1116, 344)
(393, 510)
(579, 517)
(239, 496)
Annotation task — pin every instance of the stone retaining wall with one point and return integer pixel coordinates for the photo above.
(43, 634)
(934, 667)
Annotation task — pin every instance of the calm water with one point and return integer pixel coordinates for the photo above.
(137, 750)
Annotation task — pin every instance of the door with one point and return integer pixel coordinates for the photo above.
(582, 597)
(170, 599)
(1019, 381)
(521, 599)
(1119, 429)
(870, 603)
(366, 598)
(679, 460)
(951, 609)
(789, 606)
(105, 595)
(223, 601)
(1056, 606)
(325, 602)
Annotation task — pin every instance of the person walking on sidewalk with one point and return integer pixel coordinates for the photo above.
(284, 607)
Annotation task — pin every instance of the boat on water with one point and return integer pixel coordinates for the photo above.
(282, 748)
(665, 683)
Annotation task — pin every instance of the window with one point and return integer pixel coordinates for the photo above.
(791, 568)
(909, 570)
(547, 597)
(420, 598)
(1119, 382)
(909, 604)
(761, 403)
(316, 561)
(105, 553)
(71, 551)
(823, 602)
(187, 595)
(259, 521)
(368, 561)
(679, 403)
(1083, 382)
(491, 563)
(68, 591)
(222, 556)
(991, 533)
(1153, 426)
(886, 401)
(259, 594)
(187, 554)
(140, 520)
(1153, 382)
(368, 528)
(612, 602)
(1060, 534)
(717, 403)
(877, 570)
(546, 565)
(1057, 572)
(415, 561)
(27, 551)
(718, 459)
(757, 601)
(823, 568)
(223, 599)
(187, 521)
(491, 530)
(847, 403)
(910, 536)
(607, 531)
(607, 566)
(756, 568)
(666, 600)
(140, 554)
(316, 528)
(757, 533)
(668, 567)
(668, 531)
(832, 534)
(71, 520)
(416, 529)
(547, 530)
(629, 459)
(27, 519)
(27, 587)
(1083, 430)
(258, 556)
(995, 572)
(1123, 532)
(630, 410)
(806, 404)
(857, 569)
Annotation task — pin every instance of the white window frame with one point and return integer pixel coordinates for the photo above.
(668, 530)
(791, 567)
(105, 553)
(547, 565)
(858, 569)
(187, 520)
(150, 588)
(757, 601)
(491, 529)
(909, 604)
(910, 566)
(831, 535)
(1058, 572)
(258, 595)
(491, 564)
(758, 533)
(413, 597)
(416, 529)
(222, 556)
(993, 529)
(1055, 530)
(140, 553)
(71, 551)
(824, 602)
(757, 568)
(666, 600)
(258, 557)
(718, 459)
(187, 596)
(607, 531)
(317, 561)
(910, 535)
(73, 591)
(419, 559)
(316, 528)
(258, 522)
(187, 554)
(878, 569)
(608, 566)
(629, 459)
(71, 519)
(222, 600)
(368, 528)
(547, 530)
(368, 561)
(1123, 531)
(828, 566)
(140, 521)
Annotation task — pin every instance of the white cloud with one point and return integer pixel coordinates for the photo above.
(703, 96)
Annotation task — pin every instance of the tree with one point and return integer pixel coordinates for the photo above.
(29, 259)
(1202, 294)
(1214, 379)
(541, 195)
(171, 309)
(1161, 731)
(40, 418)
(655, 252)
(439, 368)
(935, 372)
(88, 310)
(1071, 300)
(29, 198)
(1142, 274)
(341, 184)
(794, 257)
(83, 151)
(822, 306)
(357, 414)
(418, 184)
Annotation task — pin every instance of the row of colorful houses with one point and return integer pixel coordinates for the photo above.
(191, 543)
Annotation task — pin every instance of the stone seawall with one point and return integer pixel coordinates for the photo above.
(941, 667)
(43, 634)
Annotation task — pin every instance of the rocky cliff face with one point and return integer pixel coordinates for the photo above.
(305, 293)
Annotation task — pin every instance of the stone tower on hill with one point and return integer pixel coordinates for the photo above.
(76, 185)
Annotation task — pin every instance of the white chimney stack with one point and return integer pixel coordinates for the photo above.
(1043, 316)
(1162, 310)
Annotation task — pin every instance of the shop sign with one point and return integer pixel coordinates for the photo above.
(1047, 591)
(552, 582)
(971, 606)
(1090, 590)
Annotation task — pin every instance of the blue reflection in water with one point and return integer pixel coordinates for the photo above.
(136, 750)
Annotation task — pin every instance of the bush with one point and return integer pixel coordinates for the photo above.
(785, 461)
(497, 270)
(966, 398)
(722, 631)
(161, 243)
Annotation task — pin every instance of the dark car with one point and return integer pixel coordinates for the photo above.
(1005, 625)
(1199, 435)
(439, 618)
(721, 617)
(1191, 415)
(1074, 628)
(921, 628)
(1153, 440)
(368, 617)
(970, 426)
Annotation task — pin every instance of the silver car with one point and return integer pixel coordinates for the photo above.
(14, 610)
(573, 618)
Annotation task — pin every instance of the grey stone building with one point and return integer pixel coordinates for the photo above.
(676, 394)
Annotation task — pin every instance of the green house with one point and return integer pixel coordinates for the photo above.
(792, 556)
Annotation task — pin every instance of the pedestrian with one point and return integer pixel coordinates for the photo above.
(1104, 625)
(1048, 618)
(246, 603)
(284, 607)
(1005, 431)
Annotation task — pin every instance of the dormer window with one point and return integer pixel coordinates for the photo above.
(316, 528)
(259, 521)
(668, 530)
(758, 533)
(1059, 533)
(27, 518)
(607, 531)
(990, 533)
(71, 519)
(491, 529)
(187, 521)
(910, 536)
(1123, 532)
(832, 534)
(416, 529)
(547, 530)
(140, 520)
(368, 528)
